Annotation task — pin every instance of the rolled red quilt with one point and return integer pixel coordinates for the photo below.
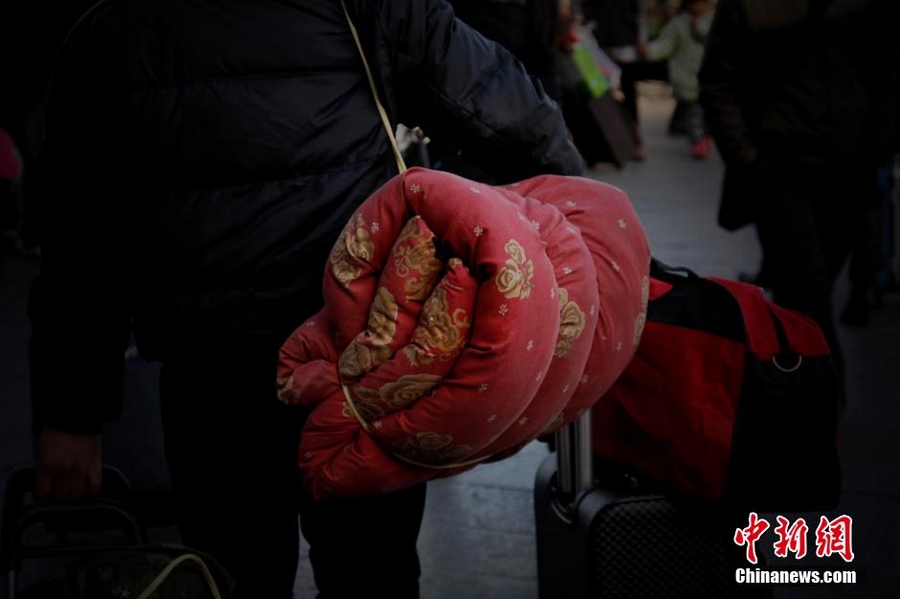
(462, 321)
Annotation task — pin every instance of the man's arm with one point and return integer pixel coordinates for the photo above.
(471, 91)
(77, 308)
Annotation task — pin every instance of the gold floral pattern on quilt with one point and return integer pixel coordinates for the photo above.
(407, 389)
(431, 448)
(571, 324)
(514, 279)
(367, 403)
(354, 242)
(286, 390)
(414, 259)
(370, 348)
(440, 334)
(358, 359)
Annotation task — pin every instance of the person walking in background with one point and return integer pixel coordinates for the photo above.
(658, 14)
(681, 43)
(200, 160)
(871, 272)
(799, 96)
(621, 26)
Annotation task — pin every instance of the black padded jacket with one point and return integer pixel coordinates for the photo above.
(201, 157)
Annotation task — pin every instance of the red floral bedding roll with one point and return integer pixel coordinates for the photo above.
(461, 321)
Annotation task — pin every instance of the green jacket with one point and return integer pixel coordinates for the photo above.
(681, 42)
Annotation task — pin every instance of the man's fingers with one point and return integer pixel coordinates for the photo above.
(43, 483)
(94, 481)
(76, 485)
(68, 465)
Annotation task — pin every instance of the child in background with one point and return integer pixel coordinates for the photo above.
(681, 42)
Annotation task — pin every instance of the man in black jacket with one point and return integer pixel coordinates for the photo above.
(200, 160)
(798, 95)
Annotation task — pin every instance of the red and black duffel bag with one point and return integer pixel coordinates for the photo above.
(729, 398)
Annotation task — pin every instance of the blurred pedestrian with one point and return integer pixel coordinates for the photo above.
(621, 26)
(201, 159)
(799, 96)
(681, 43)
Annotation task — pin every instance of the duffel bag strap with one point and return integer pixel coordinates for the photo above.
(765, 333)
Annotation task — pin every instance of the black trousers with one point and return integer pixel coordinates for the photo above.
(365, 547)
(231, 448)
(808, 219)
(632, 72)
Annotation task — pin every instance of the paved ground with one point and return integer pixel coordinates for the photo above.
(478, 538)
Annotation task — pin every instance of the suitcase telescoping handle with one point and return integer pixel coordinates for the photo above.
(574, 454)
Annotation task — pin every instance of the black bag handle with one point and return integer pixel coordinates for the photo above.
(660, 269)
(111, 510)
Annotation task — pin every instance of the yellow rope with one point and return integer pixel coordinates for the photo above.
(402, 166)
(398, 156)
(161, 577)
(352, 405)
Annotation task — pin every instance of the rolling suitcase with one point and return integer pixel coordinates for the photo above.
(95, 549)
(600, 129)
(603, 535)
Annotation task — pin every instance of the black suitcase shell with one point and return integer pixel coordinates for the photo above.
(606, 536)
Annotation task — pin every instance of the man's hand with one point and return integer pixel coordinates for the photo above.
(67, 465)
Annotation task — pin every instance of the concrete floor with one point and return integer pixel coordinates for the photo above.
(478, 536)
